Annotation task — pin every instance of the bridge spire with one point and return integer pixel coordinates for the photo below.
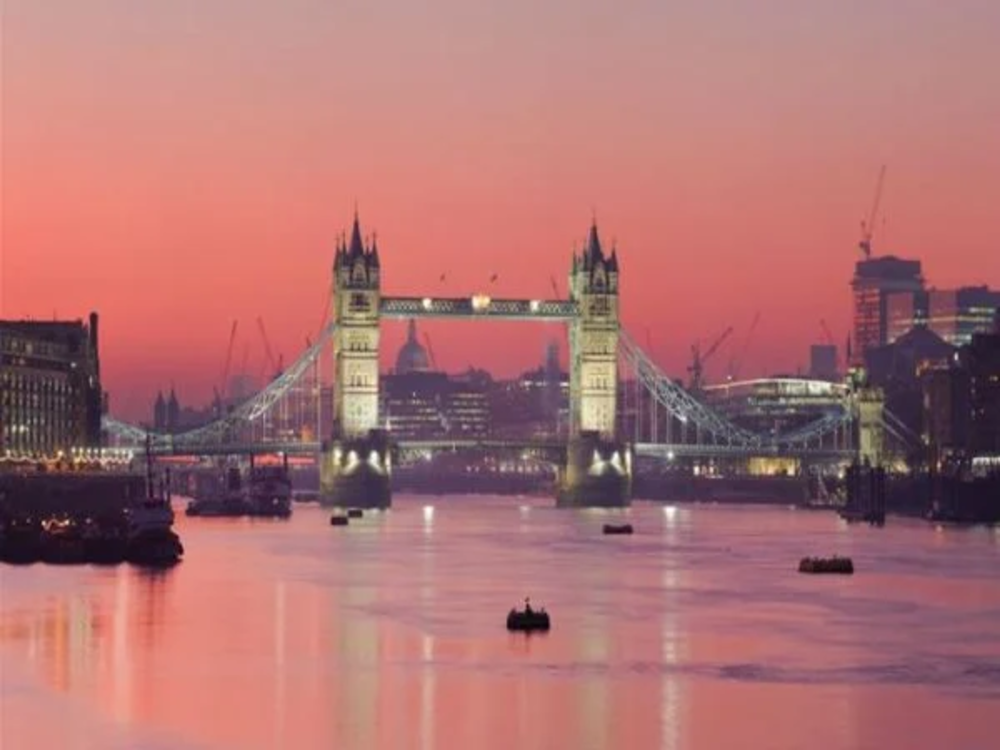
(357, 246)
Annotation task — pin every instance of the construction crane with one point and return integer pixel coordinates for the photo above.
(868, 226)
(827, 336)
(220, 394)
(698, 359)
(555, 287)
(737, 362)
(275, 364)
(828, 339)
(430, 351)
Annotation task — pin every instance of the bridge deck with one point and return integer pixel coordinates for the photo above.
(479, 306)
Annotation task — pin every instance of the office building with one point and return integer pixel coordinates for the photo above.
(875, 281)
(955, 315)
(50, 386)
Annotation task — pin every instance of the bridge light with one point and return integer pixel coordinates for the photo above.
(534, 305)
(428, 303)
(670, 455)
(480, 302)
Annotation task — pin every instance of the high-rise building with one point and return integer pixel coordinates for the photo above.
(50, 386)
(875, 281)
(981, 358)
(955, 315)
(906, 311)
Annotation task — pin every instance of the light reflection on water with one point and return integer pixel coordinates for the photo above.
(695, 632)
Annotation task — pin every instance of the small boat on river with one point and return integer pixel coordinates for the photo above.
(528, 620)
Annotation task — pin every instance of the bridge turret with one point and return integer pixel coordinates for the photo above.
(355, 465)
(593, 339)
(598, 467)
(357, 295)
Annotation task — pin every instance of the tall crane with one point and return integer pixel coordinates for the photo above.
(827, 336)
(275, 364)
(430, 351)
(737, 362)
(698, 359)
(221, 392)
(868, 226)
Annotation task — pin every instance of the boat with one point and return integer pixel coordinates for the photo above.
(61, 540)
(355, 513)
(836, 564)
(20, 540)
(624, 528)
(226, 501)
(305, 496)
(338, 520)
(528, 620)
(149, 536)
(105, 541)
(270, 492)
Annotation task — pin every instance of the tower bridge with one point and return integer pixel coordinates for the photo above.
(621, 405)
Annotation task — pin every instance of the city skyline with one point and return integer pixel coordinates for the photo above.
(178, 189)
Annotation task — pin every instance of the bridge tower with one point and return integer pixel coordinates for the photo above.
(598, 469)
(870, 405)
(355, 465)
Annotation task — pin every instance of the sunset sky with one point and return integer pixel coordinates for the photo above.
(178, 165)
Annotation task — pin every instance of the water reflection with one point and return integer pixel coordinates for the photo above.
(694, 632)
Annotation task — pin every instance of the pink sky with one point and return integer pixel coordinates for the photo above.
(179, 165)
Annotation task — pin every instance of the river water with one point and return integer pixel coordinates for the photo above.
(695, 632)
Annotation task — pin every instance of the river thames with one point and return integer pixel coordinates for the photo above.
(695, 632)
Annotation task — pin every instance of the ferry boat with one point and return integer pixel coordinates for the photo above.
(70, 514)
(225, 500)
(270, 492)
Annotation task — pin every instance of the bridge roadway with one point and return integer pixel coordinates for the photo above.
(548, 448)
(478, 306)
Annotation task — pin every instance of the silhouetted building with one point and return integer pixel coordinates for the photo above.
(875, 279)
(947, 412)
(419, 403)
(823, 362)
(50, 386)
(908, 357)
(898, 369)
(981, 359)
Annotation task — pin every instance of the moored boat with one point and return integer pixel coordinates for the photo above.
(270, 492)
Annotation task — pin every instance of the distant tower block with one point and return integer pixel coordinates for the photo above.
(356, 465)
(598, 469)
